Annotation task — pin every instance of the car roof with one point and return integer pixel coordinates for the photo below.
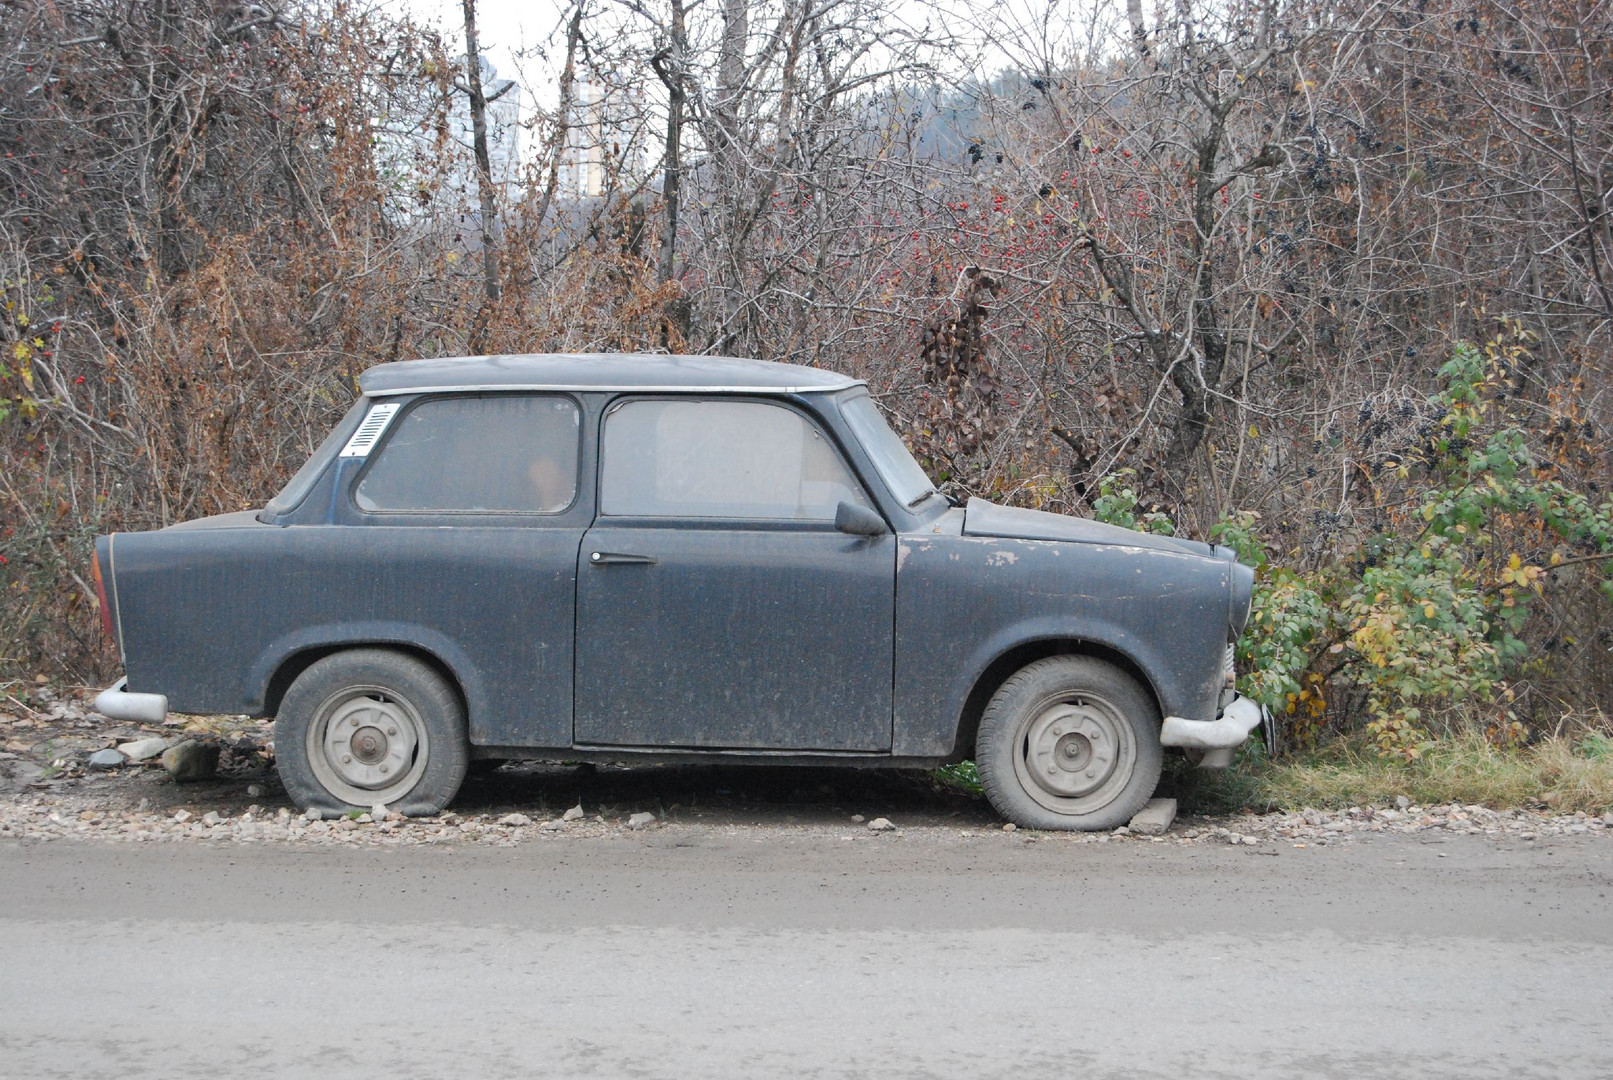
(598, 371)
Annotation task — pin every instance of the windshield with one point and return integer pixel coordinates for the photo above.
(297, 488)
(896, 466)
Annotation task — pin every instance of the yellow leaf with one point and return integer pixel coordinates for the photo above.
(1514, 562)
(1254, 432)
(1428, 611)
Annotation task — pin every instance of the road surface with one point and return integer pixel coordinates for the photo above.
(761, 953)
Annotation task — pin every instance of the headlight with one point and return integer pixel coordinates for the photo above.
(1243, 599)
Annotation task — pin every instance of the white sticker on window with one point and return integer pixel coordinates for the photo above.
(370, 430)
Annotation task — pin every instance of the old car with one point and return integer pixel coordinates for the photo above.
(658, 558)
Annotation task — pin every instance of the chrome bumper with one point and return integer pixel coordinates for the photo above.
(1218, 737)
(119, 704)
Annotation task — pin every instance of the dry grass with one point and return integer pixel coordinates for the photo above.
(1558, 774)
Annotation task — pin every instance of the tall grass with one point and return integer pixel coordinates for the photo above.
(1556, 774)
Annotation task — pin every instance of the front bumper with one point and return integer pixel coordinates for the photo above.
(1218, 737)
(120, 704)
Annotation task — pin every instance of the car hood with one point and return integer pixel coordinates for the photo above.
(982, 518)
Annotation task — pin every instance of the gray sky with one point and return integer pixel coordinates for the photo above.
(505, 26)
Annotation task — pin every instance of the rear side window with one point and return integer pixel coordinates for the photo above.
(514, 454)
(720, 459)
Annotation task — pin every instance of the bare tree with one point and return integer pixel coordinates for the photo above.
(488, 222)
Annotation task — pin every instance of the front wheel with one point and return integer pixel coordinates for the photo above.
(1069, 743)
(367, 727)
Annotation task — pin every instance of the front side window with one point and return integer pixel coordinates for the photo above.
(514, 454)
(720, 459)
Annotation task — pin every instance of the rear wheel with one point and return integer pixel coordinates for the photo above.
(367, 727)
(1070, 743)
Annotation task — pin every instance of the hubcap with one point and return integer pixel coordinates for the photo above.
(1075, 756)
(369, 742)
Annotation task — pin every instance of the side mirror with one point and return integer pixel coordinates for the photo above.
(858, 520)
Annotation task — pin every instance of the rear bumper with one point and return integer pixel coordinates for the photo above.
(1231, 728)
(120, 704)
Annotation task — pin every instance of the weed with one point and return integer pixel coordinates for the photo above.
(962, 777)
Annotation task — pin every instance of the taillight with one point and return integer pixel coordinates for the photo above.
(100, 596)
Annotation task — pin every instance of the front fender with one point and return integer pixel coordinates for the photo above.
(963, 602)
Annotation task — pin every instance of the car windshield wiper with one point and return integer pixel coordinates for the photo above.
(921, 498)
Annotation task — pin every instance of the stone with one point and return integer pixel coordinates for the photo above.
(1402, 803)
(1010, 827)
(212, 817)
(191, 760)
(254, 791)
(379, 812)
(642, 820)
(552, 826)
(516, 820)
(1124, 830)
(181, 817)
(574, 814)
(1155, 818)
(858, 818)
(106, 759)
(312, 814)
(364, 819)
(16, 775)
(881, 824)
(144, 749)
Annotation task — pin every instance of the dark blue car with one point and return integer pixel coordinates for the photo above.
(637, 558)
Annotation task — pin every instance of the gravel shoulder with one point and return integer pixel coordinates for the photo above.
(51, 789)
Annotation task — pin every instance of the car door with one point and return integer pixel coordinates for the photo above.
(717, 605)
(472, 511)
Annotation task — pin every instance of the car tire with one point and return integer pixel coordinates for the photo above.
(1069, 743)
(371, 726)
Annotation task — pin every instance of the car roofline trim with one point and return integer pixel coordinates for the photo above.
(463, 388)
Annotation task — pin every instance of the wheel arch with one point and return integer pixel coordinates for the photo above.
(299, 661)
(1018, 656)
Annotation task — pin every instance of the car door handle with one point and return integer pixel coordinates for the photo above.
(606, 558)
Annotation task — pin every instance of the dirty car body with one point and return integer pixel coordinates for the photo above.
(634, 557)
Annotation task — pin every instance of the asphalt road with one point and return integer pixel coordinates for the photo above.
(759, 953)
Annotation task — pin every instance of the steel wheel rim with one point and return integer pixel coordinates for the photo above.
(1075, 754)
(367, 745)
